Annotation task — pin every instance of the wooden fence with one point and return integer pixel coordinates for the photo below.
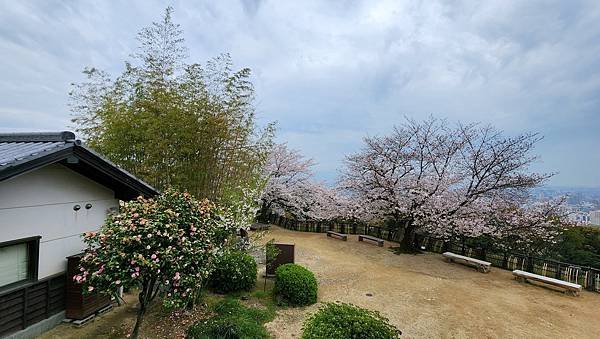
(28, 304)
(336, 226)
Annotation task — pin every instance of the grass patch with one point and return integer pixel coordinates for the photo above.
(232, 319)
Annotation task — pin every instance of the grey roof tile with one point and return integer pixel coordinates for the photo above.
(12, 152)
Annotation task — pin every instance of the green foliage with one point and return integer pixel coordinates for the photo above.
(579, 246)
(163, 246)
(296, 285)
(232, 320)
(175, 124)
(234, 271)
(341, 321)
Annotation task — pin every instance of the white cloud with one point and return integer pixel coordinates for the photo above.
(330, 72)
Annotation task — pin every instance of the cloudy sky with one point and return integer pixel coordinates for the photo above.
(331, 72)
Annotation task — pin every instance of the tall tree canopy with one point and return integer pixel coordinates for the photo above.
(448, 180)
(291, 189)
(171, 123)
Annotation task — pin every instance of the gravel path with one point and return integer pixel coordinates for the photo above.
(429, 298)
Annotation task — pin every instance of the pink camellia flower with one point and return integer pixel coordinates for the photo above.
(135, 215)
(90, 288)
(176, 276)
(153, 256)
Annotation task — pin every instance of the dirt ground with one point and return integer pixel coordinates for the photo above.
(119, 322)
(422, 295)
(426, 297)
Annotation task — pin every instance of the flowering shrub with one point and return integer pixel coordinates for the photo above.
(341, 321)
(234, 271)
(296, 285)
(162, 246)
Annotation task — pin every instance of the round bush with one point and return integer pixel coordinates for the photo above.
(296, 285)
(341, 321)
(234, 271)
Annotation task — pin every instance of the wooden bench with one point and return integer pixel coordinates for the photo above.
(482, 266)
(568, 287)
(341, 236)
(368, 237)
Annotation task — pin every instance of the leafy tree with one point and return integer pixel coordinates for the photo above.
(163, 246)
(580, 246)
(430, 175)
(175, 124)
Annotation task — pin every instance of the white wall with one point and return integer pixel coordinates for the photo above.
(41, 203)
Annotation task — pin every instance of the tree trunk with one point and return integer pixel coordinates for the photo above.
(138, 321)
(408, 239)
(143, 297)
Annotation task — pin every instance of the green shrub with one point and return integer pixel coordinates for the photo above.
(296, 285)
(234, 271)
(341, 321)
(232, 320)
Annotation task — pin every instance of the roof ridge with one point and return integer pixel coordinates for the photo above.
(65, 136)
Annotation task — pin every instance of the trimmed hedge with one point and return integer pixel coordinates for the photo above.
(234, 271)
(341, 321)
(296, 285)
(232, 320)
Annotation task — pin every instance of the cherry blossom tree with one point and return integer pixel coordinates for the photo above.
(286, 173)
(291, 188)
(528, 228)
(432, 175)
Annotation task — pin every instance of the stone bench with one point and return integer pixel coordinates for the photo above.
(340, 236)
(368, 237)
(568, 287)
(482, 266)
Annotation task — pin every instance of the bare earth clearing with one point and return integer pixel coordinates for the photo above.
(421, 294)
(429, 298)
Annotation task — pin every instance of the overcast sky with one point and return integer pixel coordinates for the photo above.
(331, 72)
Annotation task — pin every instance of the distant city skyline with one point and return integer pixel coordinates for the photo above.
(331, 73)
